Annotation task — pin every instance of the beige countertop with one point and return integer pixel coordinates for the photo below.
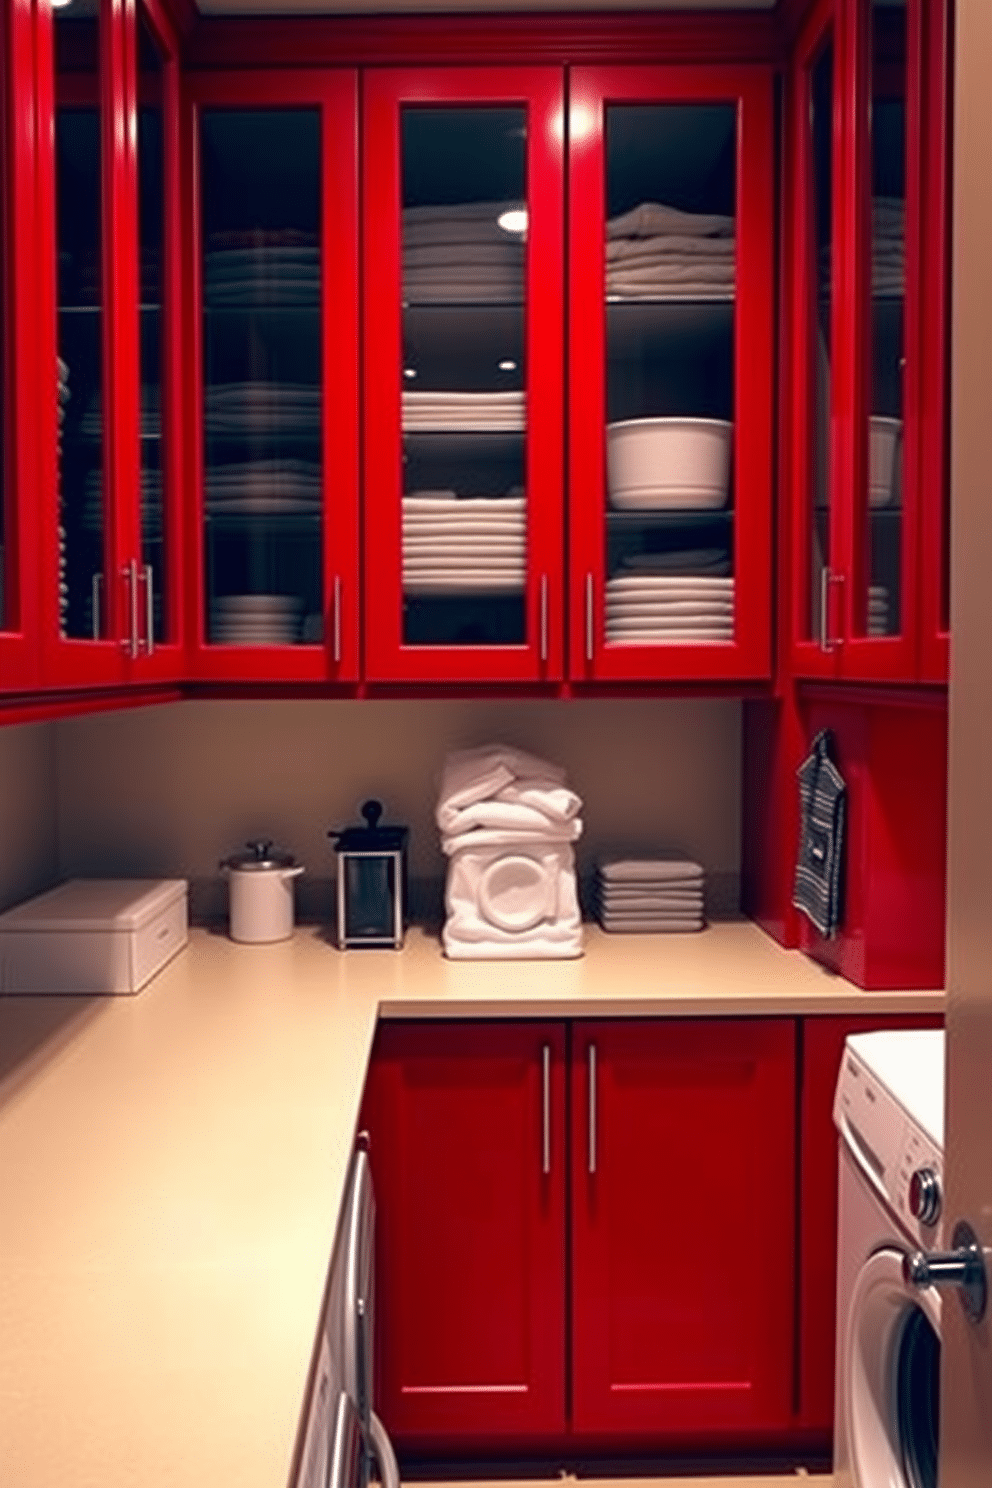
(172, 1164)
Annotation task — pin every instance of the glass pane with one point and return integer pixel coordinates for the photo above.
(464, 377)
(671, 187)
(80, 322)
(821, 312)
(261, 214)
(883, 534)
(151, 232)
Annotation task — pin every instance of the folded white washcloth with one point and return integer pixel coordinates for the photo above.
(509, 837)
(472, 775)
(556, 802)
(499, 814)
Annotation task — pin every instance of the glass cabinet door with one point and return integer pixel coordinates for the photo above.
(819, 263)
(153, 333)
(463, 402)
(673, 339)
(82, 536)
(815, 273)
(461, 424)
(260, 206)
(885, 459)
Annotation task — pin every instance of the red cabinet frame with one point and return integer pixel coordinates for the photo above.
(919, 651)
(19, 41)
(123, 655)
(387, 657)
(748, 656)
(334, 92)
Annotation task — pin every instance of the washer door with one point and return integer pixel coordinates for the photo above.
(893, 1375)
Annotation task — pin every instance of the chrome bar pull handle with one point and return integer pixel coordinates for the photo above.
(96, 590)
(592, 1108)
(963, 1267)
(337, 618)
(544, 617)
(825, 643)
(129, 643)
(827, 577)
(589, 618)
(149, 608)
(546, 1109)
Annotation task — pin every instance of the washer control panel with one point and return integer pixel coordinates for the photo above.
(897, 1154)
(919, 1188)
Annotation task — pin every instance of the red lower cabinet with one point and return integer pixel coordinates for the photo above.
(822, 1047)
(467, 1135)
(682, 1229)
(676, 1328)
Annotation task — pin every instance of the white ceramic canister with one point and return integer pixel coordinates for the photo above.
(260, 893)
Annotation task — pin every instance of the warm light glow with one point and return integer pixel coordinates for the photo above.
(60, 4)
(583, 120)
(513, 221)
(508, 366)
(409, 371)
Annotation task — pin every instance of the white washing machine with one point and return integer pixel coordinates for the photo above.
(889, 1110)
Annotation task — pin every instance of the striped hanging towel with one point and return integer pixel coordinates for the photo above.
(817, 887)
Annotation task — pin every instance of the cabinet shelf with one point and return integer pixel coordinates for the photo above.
(669, 518)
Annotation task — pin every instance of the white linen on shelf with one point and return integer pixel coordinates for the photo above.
(656, 251)
(632, 895)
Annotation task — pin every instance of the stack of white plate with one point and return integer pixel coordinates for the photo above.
(645, 609)
(454, 545)
(878, 610)
(649, 894)
(254, 619)
(444, 412)
(264, 488)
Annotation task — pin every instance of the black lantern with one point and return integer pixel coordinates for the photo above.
(371, 881)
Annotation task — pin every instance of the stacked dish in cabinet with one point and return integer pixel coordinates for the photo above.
(464, 399)
(262, 365)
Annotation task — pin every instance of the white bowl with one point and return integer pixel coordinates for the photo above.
(883, 447)
(668, 462)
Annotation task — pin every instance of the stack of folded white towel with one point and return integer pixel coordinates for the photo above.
(458, 253)
(636, 894)
(888, 245)
(659, 252)
(508, 821)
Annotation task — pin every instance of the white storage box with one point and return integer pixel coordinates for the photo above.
(93, 935)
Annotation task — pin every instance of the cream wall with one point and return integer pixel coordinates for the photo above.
(28, 833)
(169, 790)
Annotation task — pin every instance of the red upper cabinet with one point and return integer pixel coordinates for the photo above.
(683, 1230)
(671, 330)
(468, 1156)
(107, 307)
(273, 395)
(867, 410)
(463, 387)
(18, 350)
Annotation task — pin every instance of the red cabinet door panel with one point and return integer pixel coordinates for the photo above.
(470, 1232)
(683, 1228)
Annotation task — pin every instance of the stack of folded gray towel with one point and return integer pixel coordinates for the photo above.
(654, 894)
